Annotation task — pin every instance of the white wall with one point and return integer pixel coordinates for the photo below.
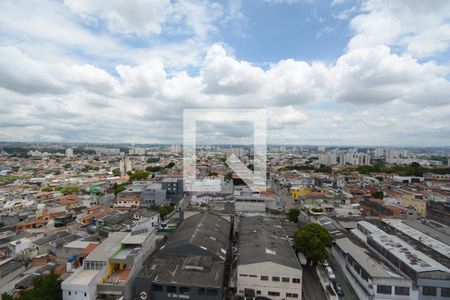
(269, 269)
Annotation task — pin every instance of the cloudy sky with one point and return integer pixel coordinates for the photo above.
(336, 72)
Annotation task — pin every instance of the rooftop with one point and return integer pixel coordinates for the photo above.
(107, 247)
(423, 236)
(407, 254)
(264, 239)
(366, 260)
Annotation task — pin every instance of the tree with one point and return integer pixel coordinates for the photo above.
(312, 241)
(116, 172)
(415, 165)
(46, 287)
(117, 188)
(229, 176)
(139, 175)
(69, 189)
(164, 210)
(378, 194)
(293, 215)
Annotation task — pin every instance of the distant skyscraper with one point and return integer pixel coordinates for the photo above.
(321, 149)
(175, 148)
(69, 153)
(125, 166)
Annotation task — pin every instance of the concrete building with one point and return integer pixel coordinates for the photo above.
(370, 278)
(250, 205)
(69, 153)
(430, 277)
(410, 199)
(109, 271)
(153, 194)
(173, 187)
(267, 266)
(191, 265)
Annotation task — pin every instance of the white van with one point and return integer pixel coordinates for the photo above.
(330, 273)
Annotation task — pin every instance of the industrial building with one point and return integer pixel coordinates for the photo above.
(266, 265)
(191, 264)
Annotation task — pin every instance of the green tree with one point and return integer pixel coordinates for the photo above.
(117, 188)
(67, 166)
(229, 176)
(378, 194)
(312, 241)
(170, 165)
(293, 214)
(116, 172)
(164, 210)
(69, 189)
(139, 175)
(46, 287)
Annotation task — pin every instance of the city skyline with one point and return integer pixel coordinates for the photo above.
(371, 72)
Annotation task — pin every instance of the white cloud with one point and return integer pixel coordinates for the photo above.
(141, 17)
(419, 27)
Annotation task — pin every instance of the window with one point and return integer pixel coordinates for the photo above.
(429, 291)
(243, 275)
(258, 292)
(285, 279)
(445, 292)
(291, 295)
(274, 293)
(85, 294)
(254, 276)
(201, 291)
(384, 289)
(275, 278)
(295, 280)
(70, 293)
(264, 278)
(157, 288)
(185, 290)
(211, 292)
(402, 290)
(171, 289)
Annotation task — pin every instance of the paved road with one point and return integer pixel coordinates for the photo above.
(349, 293)
(312, 290)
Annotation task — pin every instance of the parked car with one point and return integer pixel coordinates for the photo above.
(339, 289)
(330, 273)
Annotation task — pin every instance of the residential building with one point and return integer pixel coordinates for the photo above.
(416, 201)
(110, 269)
(173, 187)
(69, 153)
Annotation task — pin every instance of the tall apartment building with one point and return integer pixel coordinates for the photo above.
(328, 159)
(125, 166)
(355, 159)
(69, 153)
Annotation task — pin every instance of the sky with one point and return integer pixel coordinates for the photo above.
(328, 72)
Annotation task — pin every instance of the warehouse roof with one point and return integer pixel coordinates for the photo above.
(264, 239)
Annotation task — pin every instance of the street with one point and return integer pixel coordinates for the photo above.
(312, 290)
(349, 293)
